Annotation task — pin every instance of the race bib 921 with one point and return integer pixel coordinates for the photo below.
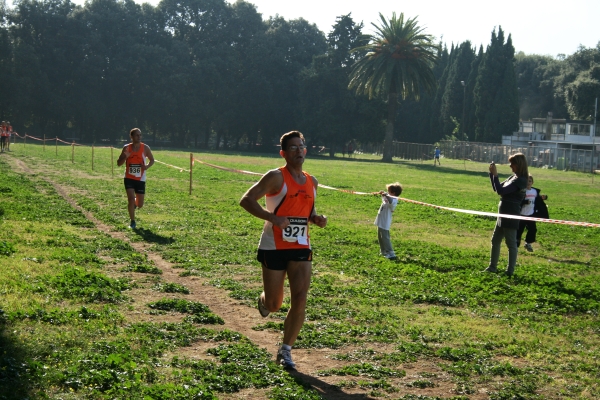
(297, 230)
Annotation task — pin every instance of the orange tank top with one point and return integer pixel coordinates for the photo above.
(296, 202)
(133, 165)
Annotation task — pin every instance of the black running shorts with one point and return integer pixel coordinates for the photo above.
(278, 259)
(137, 186)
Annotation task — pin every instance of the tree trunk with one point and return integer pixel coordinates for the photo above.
(389, 129)
(207, 134)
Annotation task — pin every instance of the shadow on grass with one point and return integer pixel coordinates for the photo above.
(13, 368)
(570, 262)
(152, 237)
(326, 390)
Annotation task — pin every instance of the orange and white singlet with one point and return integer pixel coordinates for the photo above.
(296, 202)
(133, 164)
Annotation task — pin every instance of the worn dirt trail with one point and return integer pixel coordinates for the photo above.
(239, 318)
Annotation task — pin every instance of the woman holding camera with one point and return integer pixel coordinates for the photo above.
(512, 193)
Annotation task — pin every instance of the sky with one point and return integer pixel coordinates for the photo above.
(536, 26)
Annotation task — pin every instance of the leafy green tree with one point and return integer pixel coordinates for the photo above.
(579, 82)
(398, 62)
(536, 82)
(328, 110)
(581, 94)
(6, 66)
(292, 46)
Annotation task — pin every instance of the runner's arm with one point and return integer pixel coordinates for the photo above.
(318, 220)
(124, 155)
(150, 157)
(270, 183)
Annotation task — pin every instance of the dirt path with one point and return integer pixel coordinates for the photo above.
(241, 318)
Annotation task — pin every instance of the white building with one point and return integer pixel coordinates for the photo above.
(564, 144)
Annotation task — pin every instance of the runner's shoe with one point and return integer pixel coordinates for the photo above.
(284, 358)
(264, 311)
(132, 225)
(528, 247)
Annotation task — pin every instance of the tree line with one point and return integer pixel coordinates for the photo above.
(210, 74)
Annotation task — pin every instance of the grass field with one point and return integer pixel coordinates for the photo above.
(88, 311)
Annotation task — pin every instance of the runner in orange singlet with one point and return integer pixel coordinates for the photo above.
(10, 130)
(284, 247)
(134, 156)
(3, 136)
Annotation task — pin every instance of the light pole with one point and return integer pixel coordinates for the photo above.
(594, 138)
(462, 121)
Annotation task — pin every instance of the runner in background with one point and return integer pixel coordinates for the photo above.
(3, 136)
(436, 156)
(284, 247)
(9, 129)
(134, 156)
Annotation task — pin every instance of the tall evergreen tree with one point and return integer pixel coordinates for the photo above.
(453, 98)
(490, 88)
(436, 108)
(470, 124)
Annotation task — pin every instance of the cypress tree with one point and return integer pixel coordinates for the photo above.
(504, 120)
(436, 108)
(490, 87)
(470, 119)
(454, 92)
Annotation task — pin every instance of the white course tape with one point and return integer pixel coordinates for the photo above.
(459, 210)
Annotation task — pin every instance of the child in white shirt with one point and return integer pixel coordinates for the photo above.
(383, 220)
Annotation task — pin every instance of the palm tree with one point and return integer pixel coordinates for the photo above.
(398, 60)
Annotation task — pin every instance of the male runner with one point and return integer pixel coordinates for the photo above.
(284, 247)
(3, 136)
(9, 129)
(134, 156)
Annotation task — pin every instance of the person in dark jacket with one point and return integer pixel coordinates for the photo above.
(512, 193)
(533, 206)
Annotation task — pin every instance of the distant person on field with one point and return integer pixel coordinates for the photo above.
(284, 247)
(436, 156)
(350, 149)
(389, 201)
(9, 129)
(134, 156)
(512, 192)
(3, 136)
(533, 206)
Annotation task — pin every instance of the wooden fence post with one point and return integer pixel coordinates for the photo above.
(191, 169)
(112, 164)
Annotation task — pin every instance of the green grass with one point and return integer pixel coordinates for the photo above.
(535, 335)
